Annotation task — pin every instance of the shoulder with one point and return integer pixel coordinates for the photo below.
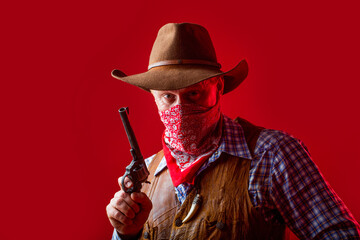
(156, 163)
(272, 139)
(277, 140)
(268, 139)
(282, 152)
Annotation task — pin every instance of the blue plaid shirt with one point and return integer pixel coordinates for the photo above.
(285, 184)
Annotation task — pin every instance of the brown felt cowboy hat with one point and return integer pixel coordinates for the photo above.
(183, 55)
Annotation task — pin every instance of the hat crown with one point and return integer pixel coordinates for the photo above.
(183, 55)
(178, 41)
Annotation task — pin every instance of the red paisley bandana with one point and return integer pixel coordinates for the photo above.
(192, 134)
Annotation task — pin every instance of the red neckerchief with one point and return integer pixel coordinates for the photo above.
(191, 136)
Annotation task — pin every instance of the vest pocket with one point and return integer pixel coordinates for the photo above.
(214, 229)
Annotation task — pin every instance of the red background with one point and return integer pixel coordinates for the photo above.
(63, 145)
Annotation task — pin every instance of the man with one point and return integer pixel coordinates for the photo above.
(217, 178)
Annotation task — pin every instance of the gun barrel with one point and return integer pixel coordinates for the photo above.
(136, 171)
(129, 131)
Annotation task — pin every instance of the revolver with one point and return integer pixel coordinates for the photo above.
(136, 171)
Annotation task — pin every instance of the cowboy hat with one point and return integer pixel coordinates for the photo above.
(183, 55)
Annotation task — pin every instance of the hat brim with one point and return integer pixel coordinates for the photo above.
(173, 77)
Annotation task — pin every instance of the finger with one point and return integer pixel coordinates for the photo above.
(117, 216)
(121, 218)
(128, 200)
(143, 200)
(127, 182)
(123, 207)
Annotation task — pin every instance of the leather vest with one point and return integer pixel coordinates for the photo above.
(226, 211)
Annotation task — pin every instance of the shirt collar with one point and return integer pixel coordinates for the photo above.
(233, 142)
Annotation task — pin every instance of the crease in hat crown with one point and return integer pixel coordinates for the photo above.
(183, 55)
(183, 43)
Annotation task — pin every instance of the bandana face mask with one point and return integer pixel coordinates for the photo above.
(188, 125)
(192, 133)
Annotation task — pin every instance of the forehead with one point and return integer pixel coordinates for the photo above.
(206, 84)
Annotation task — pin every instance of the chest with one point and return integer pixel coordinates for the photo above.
(226, 211)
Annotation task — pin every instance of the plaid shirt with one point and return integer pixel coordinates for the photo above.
(285, 184)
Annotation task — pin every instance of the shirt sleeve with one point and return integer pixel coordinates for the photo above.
(307, 203)
(115, 236)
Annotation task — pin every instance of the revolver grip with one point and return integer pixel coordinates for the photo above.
(137, 173)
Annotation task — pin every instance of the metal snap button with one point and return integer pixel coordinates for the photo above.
(147, 235)
(220, 225)
(178, 222)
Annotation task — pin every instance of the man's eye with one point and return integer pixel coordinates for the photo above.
(169, 96)
(194, 94)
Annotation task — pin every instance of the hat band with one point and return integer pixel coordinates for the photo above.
(183, 61)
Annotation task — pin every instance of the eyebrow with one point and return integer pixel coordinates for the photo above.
(196, 87)
(190, 88)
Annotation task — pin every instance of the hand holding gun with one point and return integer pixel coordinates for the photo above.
(129, 209)
(136, 171)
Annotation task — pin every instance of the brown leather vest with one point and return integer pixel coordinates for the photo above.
(226, 211)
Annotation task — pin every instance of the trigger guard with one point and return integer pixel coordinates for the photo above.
(127, 190)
